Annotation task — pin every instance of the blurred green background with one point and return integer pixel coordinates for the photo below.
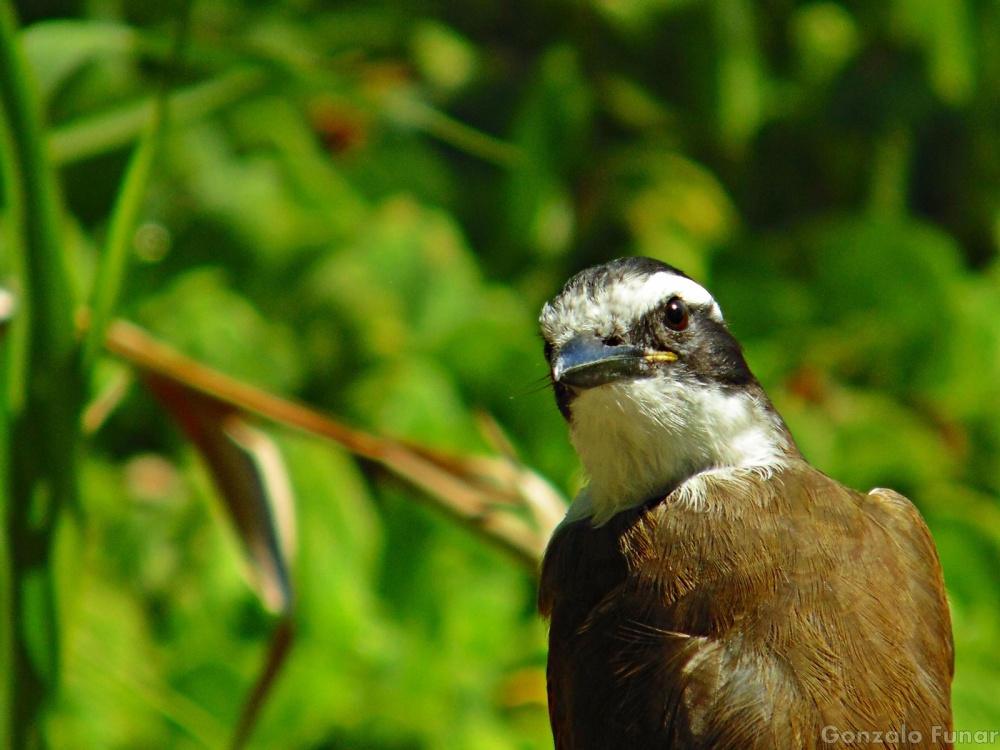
(363, 205)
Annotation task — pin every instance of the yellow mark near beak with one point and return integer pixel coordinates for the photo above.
(660, 357)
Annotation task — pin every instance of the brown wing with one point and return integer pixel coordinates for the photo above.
(581, 566)
(925, 580)
(776, 610)
(867, 633)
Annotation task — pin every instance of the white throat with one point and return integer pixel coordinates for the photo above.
(640, 438)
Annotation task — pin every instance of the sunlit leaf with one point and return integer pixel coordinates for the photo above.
(57, 49)
(944, 29)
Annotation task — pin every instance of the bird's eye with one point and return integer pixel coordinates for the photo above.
(676, 315)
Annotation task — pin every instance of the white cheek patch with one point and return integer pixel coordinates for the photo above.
(620, 305)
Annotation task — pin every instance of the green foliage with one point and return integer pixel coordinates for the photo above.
(40, 399)
(363, 206)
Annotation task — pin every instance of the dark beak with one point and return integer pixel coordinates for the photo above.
(587, 362)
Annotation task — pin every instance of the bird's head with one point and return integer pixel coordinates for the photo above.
(653, 385)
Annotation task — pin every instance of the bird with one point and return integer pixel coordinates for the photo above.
(708, 588)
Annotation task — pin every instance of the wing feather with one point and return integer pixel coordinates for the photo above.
(752, 624)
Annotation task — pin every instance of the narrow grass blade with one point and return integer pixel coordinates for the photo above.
(127, 209)
(41, 440)
(116, 128)
(124, 219)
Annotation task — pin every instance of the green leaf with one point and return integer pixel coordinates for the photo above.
(825, 35)
(740, 80)
(41, 430)
(551, 129)
(101, 132)
(200, 314)
(676, 210)
(945, 31)
(446, 59)
(58, 49)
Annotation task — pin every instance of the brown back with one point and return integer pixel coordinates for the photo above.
(754, 620)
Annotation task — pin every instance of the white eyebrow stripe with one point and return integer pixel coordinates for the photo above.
(620, 304)
(660, 287)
